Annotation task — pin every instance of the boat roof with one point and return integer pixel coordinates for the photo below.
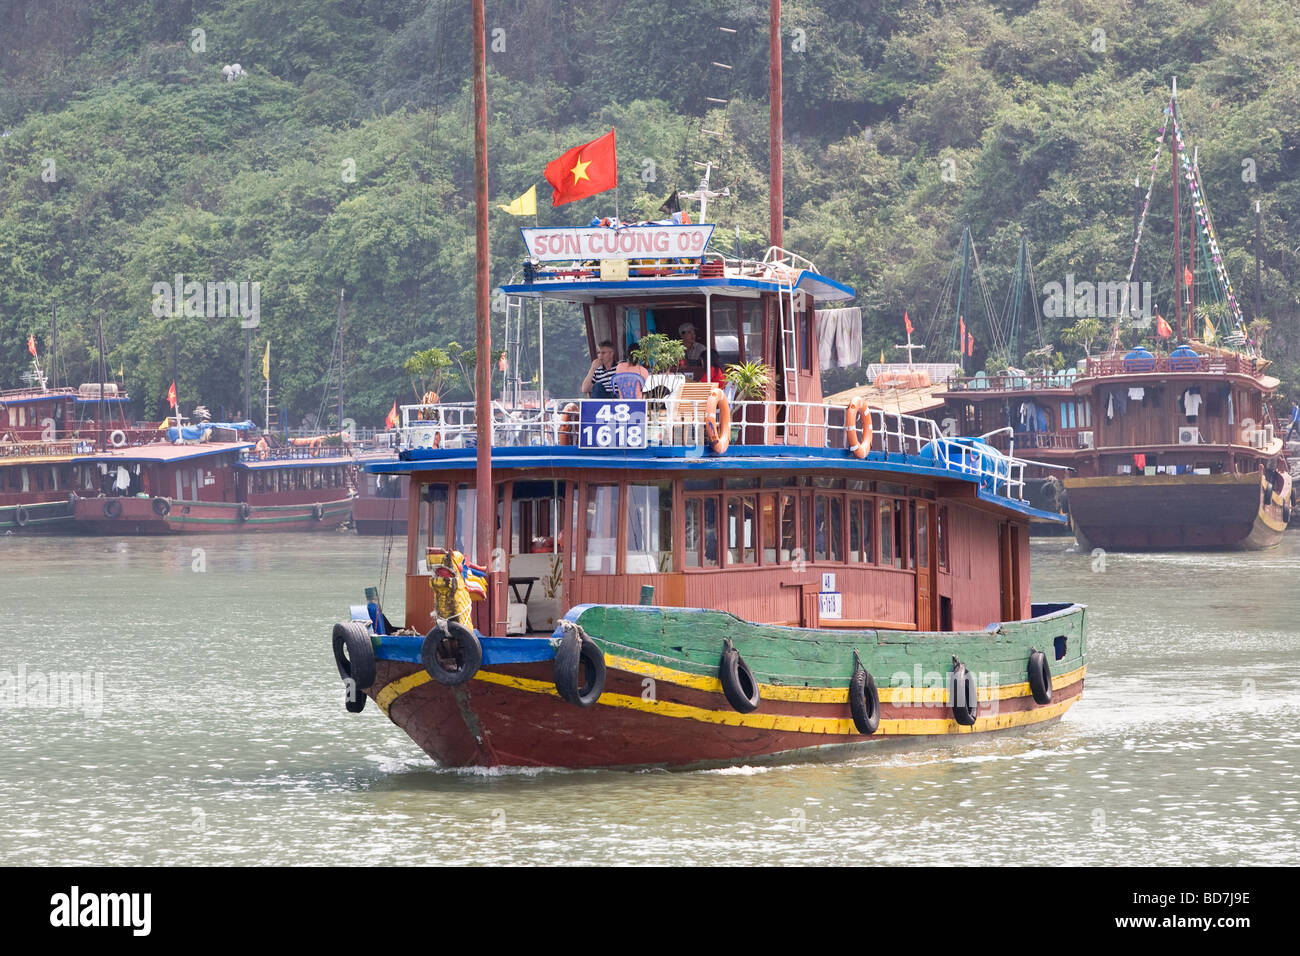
(164, 452)
(785, 459)
(263, 464)
(905, 400)
(820, 287)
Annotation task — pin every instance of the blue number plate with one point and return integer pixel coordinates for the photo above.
(612, 423)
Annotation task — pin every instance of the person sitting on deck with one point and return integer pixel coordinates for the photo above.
(629, 380)
(695, 350)
(597, 382)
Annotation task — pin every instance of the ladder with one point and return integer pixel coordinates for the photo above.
(789, 337)
(511, 348)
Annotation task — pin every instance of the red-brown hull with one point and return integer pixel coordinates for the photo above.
(140, 516)
(511, 716)
(380, 516)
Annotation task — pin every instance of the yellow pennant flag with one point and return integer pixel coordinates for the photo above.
(266, 362)
(525, 205)
(165, 424)
(1209, 330)
(882, 356)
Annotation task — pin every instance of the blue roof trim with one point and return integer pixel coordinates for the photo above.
(678, 459)
(829, 290)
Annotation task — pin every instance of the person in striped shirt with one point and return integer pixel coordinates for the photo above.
(597, 382)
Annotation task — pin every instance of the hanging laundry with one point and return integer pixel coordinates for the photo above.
(1110, 408)
(1137, 394)
(1230, 419)
(825, 327)
(848, 337)
(1192, 402)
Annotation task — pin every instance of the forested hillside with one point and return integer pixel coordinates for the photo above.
(343, 160)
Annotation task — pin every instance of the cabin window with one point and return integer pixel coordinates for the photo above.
(941, 538)
(650, 528)
(741, 542)
(888, 555)
(904, 534)
(726, 334)
(768, 528)
(466, 526)
(827, 527)
(805, 527)
(573, 531)
(602, 529)
(751, 329)
(922, 535)
(789, 528)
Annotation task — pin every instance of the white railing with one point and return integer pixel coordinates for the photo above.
(681, 423)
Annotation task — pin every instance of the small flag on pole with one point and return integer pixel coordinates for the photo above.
(1209, 330)
(525, 205)
(970, 345)
(391, 420)
(1187, 276)
(266, 362)
(1162, 327)
(583, 171)
(171, 395)
(907, 323)
(31, 345)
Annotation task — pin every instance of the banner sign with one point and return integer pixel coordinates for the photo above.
(612, 423)
(628, 242)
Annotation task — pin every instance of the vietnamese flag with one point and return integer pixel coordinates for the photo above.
(1162, 327)
(171, 395)
(391, 420)
(1187, 276)
(907, 323)
(31, 344)
(970, 345)
(583, 171)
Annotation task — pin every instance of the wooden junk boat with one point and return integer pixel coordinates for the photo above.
(695, 579)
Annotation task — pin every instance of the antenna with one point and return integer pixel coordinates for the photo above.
(703, 193)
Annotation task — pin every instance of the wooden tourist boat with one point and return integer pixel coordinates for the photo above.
(380, 506)
(210, 487)
(892, 586)
(1166, 451)
(780, 588)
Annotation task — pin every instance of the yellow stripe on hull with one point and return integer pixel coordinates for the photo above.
(780, 722)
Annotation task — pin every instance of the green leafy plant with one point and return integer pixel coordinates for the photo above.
(430, 371)
(750, 379)
(659, 353)
(1083, 332)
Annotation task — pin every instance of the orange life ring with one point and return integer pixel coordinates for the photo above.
(567, 417)
(717, 422)
(858, 409)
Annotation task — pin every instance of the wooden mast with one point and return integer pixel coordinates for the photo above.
(777, 203)
(485, 509)
(1178, 247)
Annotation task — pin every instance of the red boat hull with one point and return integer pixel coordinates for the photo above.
(143, 516)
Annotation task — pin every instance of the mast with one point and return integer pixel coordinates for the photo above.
(485, 506)
(1257, 286)
(103, 446)
(54, 343)
(340, 335)
(1191, 288)
(1178, 248)
(777, 202)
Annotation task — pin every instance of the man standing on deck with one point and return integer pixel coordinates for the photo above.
(1295, 421)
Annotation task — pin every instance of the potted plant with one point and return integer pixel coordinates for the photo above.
(660, 354)
(750, 380)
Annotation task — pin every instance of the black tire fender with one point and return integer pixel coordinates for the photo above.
(864, 699)
(21, 517)
(738, 682)
(113, 508)
(451, 653)
(963, 689)
(1040, 677)
(358, 665)
(244, 511)
(576, 650)
(162, 507)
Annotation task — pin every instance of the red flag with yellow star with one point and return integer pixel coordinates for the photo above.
(583, 171)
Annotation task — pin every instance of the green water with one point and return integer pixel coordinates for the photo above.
(222, 738)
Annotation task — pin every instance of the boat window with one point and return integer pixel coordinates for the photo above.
(904, 535)
(602, 529)
(856, 484)
(941, 538)
(433, 523)
(693, 507)
(701, 484)
(855, 530)
(726, 337)
(466, 526)
(573, 531)
(887, 553)
(805, 527)
(710, 532)
(751, 328)
(886, 488)
(828, 528)
(768, 528)
(740, 530)
(742, 483)
(837, 528)
(820, 481)
(650, 528)
(922, 536)
(788, 538)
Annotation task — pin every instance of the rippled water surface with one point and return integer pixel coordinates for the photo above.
(222, 738)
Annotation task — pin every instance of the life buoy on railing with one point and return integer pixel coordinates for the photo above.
(117, 438)
(717, 422)
(568, 419)
(857, 409)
